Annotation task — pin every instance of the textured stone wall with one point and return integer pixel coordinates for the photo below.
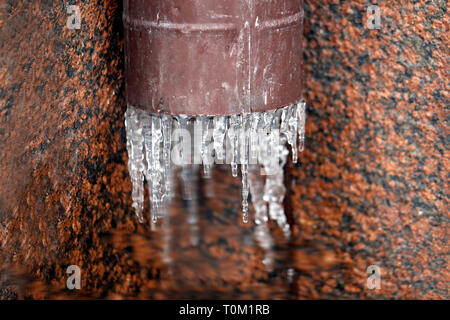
(371, 187)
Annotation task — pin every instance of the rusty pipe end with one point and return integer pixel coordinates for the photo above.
(218, 57)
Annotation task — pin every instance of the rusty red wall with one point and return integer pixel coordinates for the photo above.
(371, 187)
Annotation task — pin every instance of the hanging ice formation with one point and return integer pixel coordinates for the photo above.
(156, 144)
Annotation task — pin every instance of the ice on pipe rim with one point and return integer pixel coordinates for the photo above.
(257, 142)
(157, 144)
(213, 58)
(227, 72)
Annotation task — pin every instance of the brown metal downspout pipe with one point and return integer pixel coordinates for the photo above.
(223, 64)
(213, 57)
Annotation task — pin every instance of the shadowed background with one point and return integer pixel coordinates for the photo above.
(371, 188)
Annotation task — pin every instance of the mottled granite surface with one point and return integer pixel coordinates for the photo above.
(372, 186)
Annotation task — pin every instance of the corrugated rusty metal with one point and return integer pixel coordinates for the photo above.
(215, 57)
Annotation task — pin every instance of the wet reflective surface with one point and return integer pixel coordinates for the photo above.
(201, 252)
(218, 256)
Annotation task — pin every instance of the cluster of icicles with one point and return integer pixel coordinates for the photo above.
(256, 142)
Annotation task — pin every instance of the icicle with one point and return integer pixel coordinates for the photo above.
(265, 152)
(245, 137)
(220, 129)
(262, 233)
(233, 133)
(135, 142)
(245, 192)
(186, 153)
(147, 133)
(301, 124)
(284, 121)
(289, 127)
(156, 167)
(275, 190)
(204, 151)
(257, 191)
(167, 136)
(293, 129)
(254, 147)
(275, 140)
